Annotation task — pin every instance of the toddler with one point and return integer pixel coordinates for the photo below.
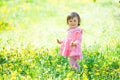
(71, 46)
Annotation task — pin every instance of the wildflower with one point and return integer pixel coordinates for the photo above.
(85, 76)
(0, 22)
(4, 76)
(70, 74)
(97, 73)
(67, 79)
(58, 65)
(95, 65)
(13, 75)
(58, 70)
(19, 69)
(85, 66)
(28, 78)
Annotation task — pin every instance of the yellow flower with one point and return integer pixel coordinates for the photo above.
(95, 65)
(4, 76)
(70, 74)
(97, 73)
(28, 78)
(58, 70)
(85, 66)
(67, 79)
(5, 65)
(19, 69)
(13, 78)
(58, 65)
(85, 76)
(37, 79)
(0, 22)
(13, 75)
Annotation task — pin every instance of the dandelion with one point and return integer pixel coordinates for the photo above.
(28, 78)
(85, 76)
(70, 74)
(37, 79)
(4, 76)
(22, 78)
(85, 66)
(9, 28)
(0, 22)
(97, 74)
(19, 69)
(67, 79)
(5, 65)
(13, 75)
(95, 65)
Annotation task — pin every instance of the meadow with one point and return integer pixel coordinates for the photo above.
(28, 33)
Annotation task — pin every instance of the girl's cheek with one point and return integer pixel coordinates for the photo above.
(69, 23)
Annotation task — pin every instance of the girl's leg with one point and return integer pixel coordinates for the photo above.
(76, 64)
(72, 62)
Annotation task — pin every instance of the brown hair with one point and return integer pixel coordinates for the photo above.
(72, 15)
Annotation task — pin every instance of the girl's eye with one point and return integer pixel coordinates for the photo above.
(70, 21)
(74, 20)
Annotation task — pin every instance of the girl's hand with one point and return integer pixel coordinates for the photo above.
(73, 43)
(58, 41)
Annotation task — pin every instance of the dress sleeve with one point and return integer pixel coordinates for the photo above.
(78, 36)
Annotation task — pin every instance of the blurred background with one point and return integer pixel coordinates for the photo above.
(40, 22)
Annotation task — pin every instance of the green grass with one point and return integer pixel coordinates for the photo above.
(28, 33)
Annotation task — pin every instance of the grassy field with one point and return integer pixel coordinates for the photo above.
(28, 33)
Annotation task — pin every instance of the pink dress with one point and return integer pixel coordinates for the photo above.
(72, 51)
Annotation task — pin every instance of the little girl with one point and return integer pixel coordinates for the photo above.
(71, 47)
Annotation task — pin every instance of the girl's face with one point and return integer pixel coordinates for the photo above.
(73, 22)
